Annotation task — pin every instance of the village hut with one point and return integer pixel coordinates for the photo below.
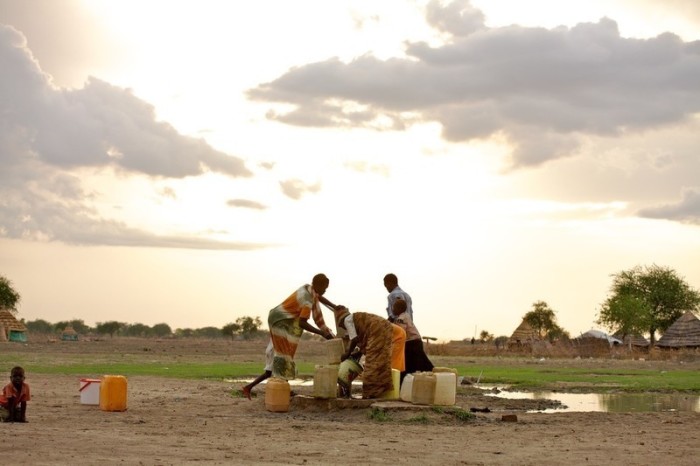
(69, 334)
(523, 335)
(14, 330)
(632, 340)
(683, 333)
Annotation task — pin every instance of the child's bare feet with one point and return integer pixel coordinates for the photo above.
(246, 392)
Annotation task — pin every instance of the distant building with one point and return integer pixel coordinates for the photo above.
(11, 328)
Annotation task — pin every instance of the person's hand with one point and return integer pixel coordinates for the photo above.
(328, 336)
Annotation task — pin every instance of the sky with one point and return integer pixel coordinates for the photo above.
(195, 161)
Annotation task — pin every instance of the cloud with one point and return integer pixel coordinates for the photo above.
(47, 132)
(363, 166)
(543, 90)
(245, 203)
(167, 191)
(97, 125)
(687, 210)
(459, 18)
(295, 188)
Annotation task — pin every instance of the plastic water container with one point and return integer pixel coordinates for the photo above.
(334, 350)
(89, 391)
(437, 370)
(113, 393)
(423, 391)
(406, 388)
(326, 381)
(394, 392)
(347, 371)
(277, 393)
(445, 388)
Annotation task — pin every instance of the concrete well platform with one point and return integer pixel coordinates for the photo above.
(306, 401)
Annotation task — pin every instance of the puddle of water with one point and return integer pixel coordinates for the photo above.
(577, 402)
(610, 402)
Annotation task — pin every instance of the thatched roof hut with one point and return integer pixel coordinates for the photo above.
(632, 340)
(683, 333)
(69, 334)
(524, 334)
(14, 329)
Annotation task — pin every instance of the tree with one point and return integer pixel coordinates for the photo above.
(626, 314)
(137, 330)
(647, 299)
(501, 341)
(541, 318)
(249, 327)
(544, 321)
(161, 330)
(485, 336)
(184, 332)
(207, 332)
(9, 297)
(110, 327)
(230, 330)
(40, 326)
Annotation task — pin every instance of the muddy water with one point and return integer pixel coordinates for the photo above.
(611, 402)
(580, 402)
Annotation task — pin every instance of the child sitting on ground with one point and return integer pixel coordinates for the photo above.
(14, 397)
(416, 359)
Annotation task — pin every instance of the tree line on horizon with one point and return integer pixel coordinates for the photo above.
(642, 300)
(245, 328)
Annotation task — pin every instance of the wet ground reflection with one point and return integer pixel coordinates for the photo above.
(611, 402)
(578, 402)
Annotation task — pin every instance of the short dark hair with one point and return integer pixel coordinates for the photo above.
(391, 278)
(320, 279)
(17, 370)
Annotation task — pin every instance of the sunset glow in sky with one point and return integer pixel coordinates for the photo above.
(191, 162)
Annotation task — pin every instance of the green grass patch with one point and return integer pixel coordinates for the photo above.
(457, 412)
(135, 364)
(419, 419)
(523, 377)
(543, 378)
(379, 415)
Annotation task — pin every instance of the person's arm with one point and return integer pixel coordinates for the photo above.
(390, 305)
(320, 322)
(351, 348)
(303, 323)
(349, 324)
(323, 300)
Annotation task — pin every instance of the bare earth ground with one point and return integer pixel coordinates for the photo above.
(174, 421)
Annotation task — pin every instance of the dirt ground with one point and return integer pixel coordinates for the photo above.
(175, 421)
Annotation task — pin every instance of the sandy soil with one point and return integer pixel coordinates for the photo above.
(173, 421)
